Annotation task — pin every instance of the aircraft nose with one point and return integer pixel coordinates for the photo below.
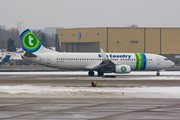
(171, 63)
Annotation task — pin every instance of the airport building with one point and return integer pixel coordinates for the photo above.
(165, 41)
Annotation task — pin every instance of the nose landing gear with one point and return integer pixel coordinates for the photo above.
(158, 74)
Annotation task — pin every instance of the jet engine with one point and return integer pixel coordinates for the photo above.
(122, 69)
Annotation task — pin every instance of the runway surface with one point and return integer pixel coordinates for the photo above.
(69, 95)
(89, 109)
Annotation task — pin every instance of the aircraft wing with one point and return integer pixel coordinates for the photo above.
(106, 64)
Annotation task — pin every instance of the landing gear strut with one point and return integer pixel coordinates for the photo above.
(158, 74)
(100, 73)
(91, 73)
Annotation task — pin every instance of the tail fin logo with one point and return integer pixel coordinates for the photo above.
(29, 41)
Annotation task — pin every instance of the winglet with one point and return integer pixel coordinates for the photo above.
(104, 55)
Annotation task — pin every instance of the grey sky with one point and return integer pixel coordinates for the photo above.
(90, 13)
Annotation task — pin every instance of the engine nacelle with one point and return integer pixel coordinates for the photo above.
(122, 69)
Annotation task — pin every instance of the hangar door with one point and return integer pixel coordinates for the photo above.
(80, 47)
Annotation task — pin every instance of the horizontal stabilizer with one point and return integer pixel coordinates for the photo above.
(29, 54)
(6, 59)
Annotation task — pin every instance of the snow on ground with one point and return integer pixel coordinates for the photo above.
(93, 92)
(89, 92)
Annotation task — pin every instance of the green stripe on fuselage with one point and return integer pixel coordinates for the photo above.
(137, 61)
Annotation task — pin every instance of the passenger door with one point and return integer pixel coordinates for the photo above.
(158, 61)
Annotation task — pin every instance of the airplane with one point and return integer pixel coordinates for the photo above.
(6, 59)
(101, 62)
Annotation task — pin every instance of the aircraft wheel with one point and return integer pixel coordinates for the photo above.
(94, 83)
(91, 73)
(100, 73)
(158, 74)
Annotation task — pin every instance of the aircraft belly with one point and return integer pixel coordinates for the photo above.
(71, 65)
(150, 66)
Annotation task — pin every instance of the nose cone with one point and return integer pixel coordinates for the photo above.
(171, 64)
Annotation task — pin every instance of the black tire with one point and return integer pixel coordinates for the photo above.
(91, 73)
(158, 74)
(100, 73)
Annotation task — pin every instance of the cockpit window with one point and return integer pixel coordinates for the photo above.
(165, 59)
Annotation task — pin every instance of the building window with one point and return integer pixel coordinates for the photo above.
(177, 62)
(97, 33)
(79, 35)
(117, 41)
(61, 34)
(72, 34)
(134, 42)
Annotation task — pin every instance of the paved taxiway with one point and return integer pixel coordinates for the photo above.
(86, 81)
(70, 96)
(74, 79)
(89, 109)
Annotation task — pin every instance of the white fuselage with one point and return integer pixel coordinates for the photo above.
(86, 61)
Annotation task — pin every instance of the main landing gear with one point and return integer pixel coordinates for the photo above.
(158, 74)
(100, 73)
(91, 73)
